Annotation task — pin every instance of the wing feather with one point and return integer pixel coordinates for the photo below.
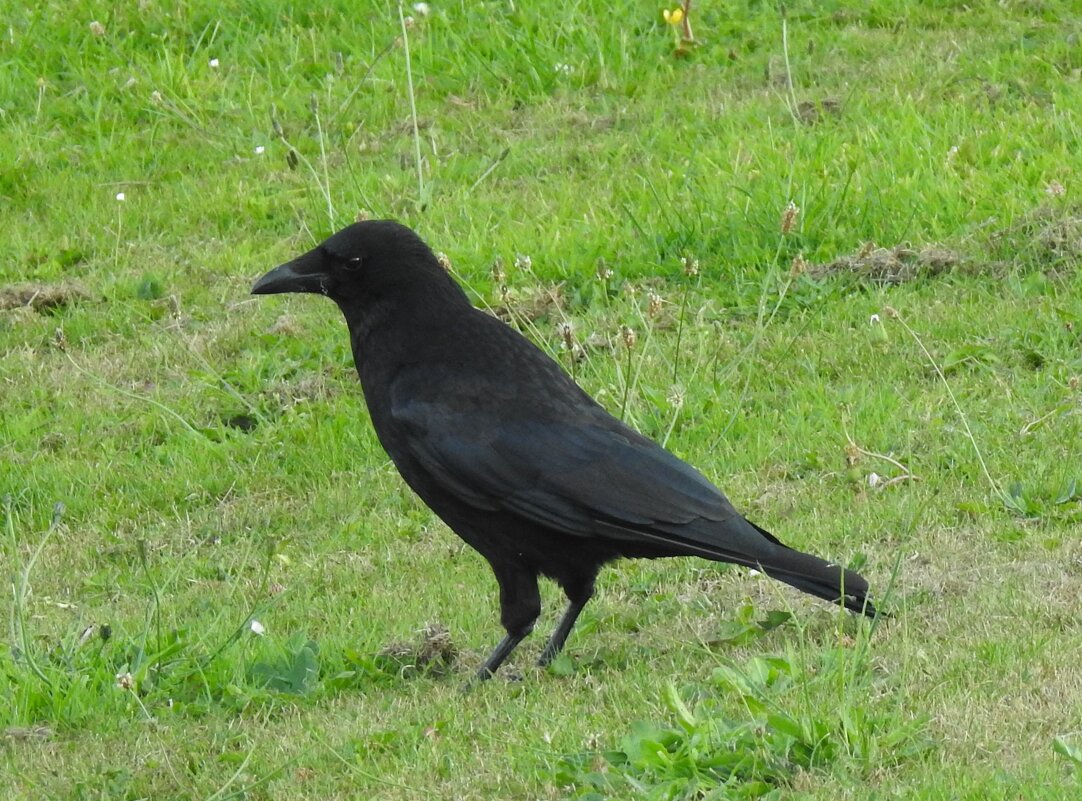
(593, 477)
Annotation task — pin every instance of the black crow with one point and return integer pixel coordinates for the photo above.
(510, 452)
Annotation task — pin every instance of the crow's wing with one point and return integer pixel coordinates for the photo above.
(588, 475)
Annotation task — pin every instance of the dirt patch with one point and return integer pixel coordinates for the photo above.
(242, 422)
(303, 389)
(896, 265)
(41, 297)
(585, 121)
(529, 303)
(434, 653)
(811, 112)
(39, 732)
(285, 326)
(1048, 238)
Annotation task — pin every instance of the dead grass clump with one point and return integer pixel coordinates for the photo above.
(897, 265)
(41, 297)
(529, 303)
(811, 112)
(38, 732)
(1051, 234)
(435, 652)
(303, 389)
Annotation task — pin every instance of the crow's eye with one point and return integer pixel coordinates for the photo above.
(353, 263)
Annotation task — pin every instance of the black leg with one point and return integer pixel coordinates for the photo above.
(520, 604)
(559, 637)
(579, 592)
(501, 652)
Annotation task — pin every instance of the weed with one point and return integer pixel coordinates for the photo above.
(790, 718)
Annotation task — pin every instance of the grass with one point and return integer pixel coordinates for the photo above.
(214, 465)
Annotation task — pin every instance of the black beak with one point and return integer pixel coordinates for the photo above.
(304, 274)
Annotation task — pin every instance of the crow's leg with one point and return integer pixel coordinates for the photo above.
(520, 604)
(498, 655)
(578, 597)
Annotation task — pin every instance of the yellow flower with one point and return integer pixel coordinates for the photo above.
(674, 17)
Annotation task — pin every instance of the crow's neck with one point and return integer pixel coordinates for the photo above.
(387, 331)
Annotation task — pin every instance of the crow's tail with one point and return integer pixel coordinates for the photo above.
(817, 577)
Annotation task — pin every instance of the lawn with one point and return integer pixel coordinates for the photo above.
(830, 255)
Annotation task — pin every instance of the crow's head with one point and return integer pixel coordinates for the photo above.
(363, 262)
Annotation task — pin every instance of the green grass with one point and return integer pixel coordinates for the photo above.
(215, 466)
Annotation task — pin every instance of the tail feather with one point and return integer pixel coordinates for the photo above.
(818, 577)
(755, 547)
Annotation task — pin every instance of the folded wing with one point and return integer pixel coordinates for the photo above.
(591, 478)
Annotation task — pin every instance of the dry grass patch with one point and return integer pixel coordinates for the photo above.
(41, 297)
(1052, 235)
(895, 265)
